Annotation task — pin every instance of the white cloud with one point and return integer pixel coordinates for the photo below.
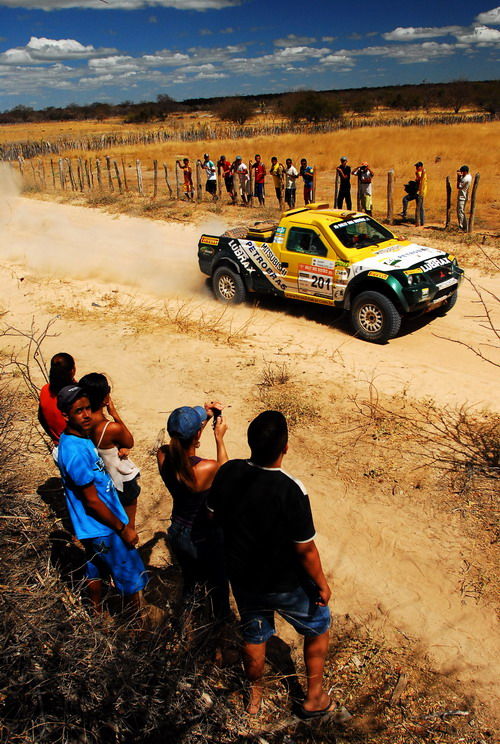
(490, 17)
(42, 50)
(407, 53)
(120, 4)
(430, 32)
(481, 35)
(293, 40)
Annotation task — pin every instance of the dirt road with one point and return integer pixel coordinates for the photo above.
(396, 561)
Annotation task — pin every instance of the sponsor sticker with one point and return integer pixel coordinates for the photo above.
(377, 274)
(315, 280)
(209, 240)
(280, 230)
(413, 271)
(325, 262)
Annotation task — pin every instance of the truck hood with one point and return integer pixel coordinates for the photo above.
(400, 258)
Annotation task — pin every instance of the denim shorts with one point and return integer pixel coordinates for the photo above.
(110, 556)
(297, 607)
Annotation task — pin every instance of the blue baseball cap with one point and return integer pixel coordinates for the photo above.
(185, 421)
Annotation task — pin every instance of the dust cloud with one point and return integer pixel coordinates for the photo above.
(80, 243)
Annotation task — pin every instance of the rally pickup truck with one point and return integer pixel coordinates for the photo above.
(343, 259)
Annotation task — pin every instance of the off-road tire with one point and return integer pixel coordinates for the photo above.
(374, 317)
(236, 232)
(228, 286)
(448, 305)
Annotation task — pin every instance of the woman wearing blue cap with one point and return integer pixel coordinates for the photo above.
(188, 479)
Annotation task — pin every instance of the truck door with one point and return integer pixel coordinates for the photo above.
(310, 267)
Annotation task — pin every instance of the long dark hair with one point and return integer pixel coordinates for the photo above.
(96, 387)
(179, 461)
(62, 368)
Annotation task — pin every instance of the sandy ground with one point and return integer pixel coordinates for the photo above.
(395, 560)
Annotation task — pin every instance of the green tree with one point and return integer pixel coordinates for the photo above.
(237, 110)
(311, 106)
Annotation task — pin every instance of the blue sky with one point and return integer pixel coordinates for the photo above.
(54, 52)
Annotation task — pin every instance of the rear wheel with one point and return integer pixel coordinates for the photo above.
(228, 286)
(374, 317)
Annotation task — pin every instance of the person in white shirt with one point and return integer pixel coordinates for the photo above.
(291, 175)
(464, 180)
(209, 167)
(241, 169)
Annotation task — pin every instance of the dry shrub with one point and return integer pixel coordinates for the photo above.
(462, 441)
(277, 392)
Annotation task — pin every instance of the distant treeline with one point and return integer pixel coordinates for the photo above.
(312, 106)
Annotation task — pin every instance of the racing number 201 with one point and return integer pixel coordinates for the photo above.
(319, 282)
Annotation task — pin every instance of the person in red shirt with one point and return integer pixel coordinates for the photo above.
(224, 169)
(61, 373)
(260, 174)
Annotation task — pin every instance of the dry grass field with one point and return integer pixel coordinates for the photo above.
(442, 148)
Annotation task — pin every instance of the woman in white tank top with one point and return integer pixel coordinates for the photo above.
(113, 441)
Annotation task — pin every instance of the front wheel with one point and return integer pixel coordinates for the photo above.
(374, 317)
(228, 286)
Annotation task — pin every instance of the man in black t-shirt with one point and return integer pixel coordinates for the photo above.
(344, 172)
(271, 557)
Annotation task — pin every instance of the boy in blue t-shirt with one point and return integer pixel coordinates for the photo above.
(99, 520)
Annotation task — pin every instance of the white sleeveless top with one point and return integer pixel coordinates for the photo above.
(120, 470)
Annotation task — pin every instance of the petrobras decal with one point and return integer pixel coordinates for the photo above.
(407, 256)
(259, 256)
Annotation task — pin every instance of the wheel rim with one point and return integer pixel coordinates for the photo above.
(371, 318)
(227, 287)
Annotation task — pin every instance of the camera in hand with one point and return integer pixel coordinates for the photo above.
(217, 413)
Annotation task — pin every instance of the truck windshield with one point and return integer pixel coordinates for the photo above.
(360, 232)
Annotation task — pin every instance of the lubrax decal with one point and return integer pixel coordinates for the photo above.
(434, 263)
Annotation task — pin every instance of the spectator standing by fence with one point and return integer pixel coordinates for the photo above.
(260, 175)
(225, 171)
(188, 178)
(276, 170)
(344, 194)
(365, 175)
(464, 180)
(241, 170)
(421, 179)
(209, 167)
(307, 173)
(291, 176)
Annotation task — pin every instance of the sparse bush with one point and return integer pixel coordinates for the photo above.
(311, 106)
(236, 110)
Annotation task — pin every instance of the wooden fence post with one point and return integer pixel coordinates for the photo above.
(155, 179)
(108, 168)
(358, 196)
(336, 189)
(61, 174)
(33, 170)
(53, 174)
(20, 160)
(98, 172)
(42, 169)
(220, 179)
(87, 174)
(125, 182)
(390, 197)
(166, 179)
(236, 185)
(251, 183)
(177, 185)
(199, 187)
(448, 202)
(71, 174)
(472, 212)
(79, 170)
(118, 178)
(138, 171)
(315, 175)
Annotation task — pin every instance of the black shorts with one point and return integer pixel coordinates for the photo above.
(131, 491)
(211, 187)
(228, 180)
